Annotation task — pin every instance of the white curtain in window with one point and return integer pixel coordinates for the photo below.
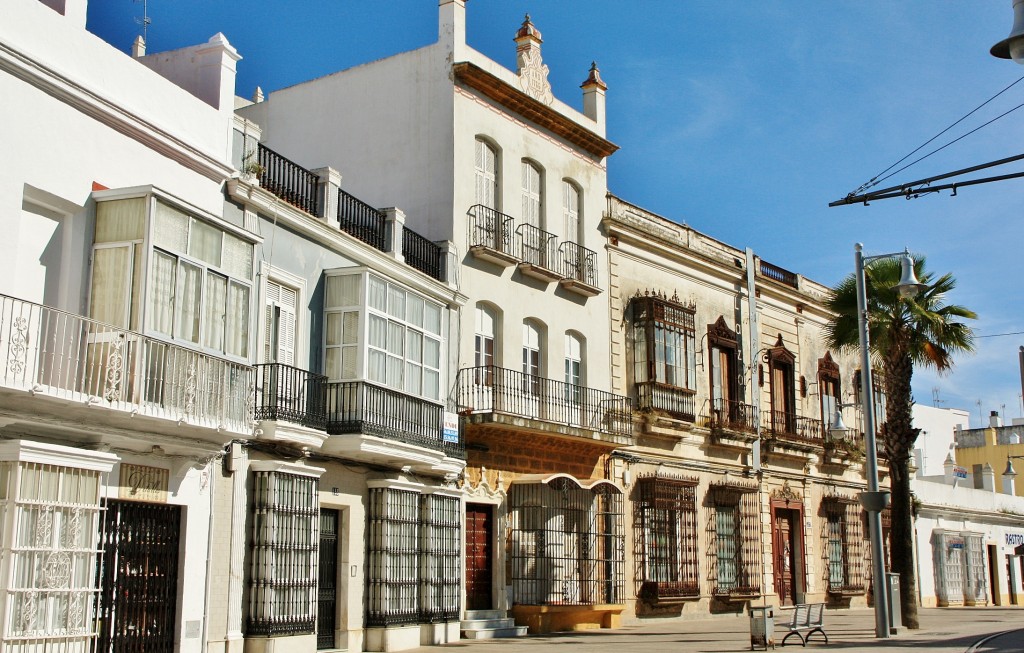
(111, 292)
(188, 301)
(170, 228)
(161, 292)
(204, 242)
(237, 334)
(342, 291)
(214, 316)
(237, 259)
(378, 294)
(120, 220)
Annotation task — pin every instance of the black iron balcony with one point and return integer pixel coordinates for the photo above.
(677, 402)
(422, 254)
(287, 179)
(361, 407)
(289, 394)
(732, 415)
(359, 219)
(788, 426)
(49, 352)
(578, 263)
(490, 235)
(490, 389)
(538, 250)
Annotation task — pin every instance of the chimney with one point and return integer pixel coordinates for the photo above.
(988, 478)
(217, 73)
(451, 27)
(138, 47)
(948, 468)
(593, 97)
(1008, 485)
(994, 420)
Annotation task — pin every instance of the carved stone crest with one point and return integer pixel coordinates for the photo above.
(533, 74)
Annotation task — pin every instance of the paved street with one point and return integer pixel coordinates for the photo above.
(944, 630)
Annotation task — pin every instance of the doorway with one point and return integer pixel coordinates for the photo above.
(327, 589)
(479, 565)
(993, 573)
(138, 577)
(785, 551)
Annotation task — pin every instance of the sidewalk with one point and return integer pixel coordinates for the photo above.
(943, 630)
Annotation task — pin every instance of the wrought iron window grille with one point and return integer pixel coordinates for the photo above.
(843, 543)
(665, 538)
(664, 354)
(567, 543)
(734, 540)
(285, 544)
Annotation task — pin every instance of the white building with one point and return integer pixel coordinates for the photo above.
(969, 525)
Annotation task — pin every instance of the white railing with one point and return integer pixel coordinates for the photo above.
(50, 352)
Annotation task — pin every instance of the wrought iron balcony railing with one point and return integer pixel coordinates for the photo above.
(290, 394)
(578, 263)
(422, 254)
(361, 220)
(788, 426)
(677, 402)
(361, 407)
(538, 247)
(491, 229)
(288, 180)
(732, 415)
(50, 352)
(490, 389)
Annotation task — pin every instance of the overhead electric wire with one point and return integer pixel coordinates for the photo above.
(877, 179)
(999, 335)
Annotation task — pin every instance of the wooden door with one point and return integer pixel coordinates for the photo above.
(785, 555)
(479, 530)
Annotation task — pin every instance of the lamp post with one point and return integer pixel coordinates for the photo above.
(874, 500)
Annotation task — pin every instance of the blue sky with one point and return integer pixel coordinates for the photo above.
(741, 119)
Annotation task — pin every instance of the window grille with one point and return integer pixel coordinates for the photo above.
(53, 512)
(285, 540)
(734, 539)
(567, 543)
(665, 538)
(949, 564)
(413, 550)
(442, 568)
(843, 538)
(975, 578)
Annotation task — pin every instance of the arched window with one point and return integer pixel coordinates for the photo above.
(531, 356)
(486, 175)
(828, 388)
(532, 194)
(571, 211)
(573, 359)
(483, 342)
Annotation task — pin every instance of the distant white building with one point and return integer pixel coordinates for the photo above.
(969, 525)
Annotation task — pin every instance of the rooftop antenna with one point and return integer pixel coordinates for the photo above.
(145, 20)
(981, 413)
(935, 397)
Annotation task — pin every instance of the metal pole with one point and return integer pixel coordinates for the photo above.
(755, 346)
(874, 516)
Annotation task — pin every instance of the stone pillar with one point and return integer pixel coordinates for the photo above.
(238, 460)
(327, 193)
(451, 263)
(394, 225)
(988, 478)
(1009, 487)
(948, 466)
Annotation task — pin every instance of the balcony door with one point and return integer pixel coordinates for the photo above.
(781, 364)
(280, 390)
(483, 360)
(725, 397)
(532, 383)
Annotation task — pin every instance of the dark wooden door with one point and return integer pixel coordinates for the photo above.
(139, 577)
(785, 555)
(479, 529)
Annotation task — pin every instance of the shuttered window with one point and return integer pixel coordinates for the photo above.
(486, 175)
(279, 324)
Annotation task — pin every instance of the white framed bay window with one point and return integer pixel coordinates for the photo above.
(378, 331)
(172, 272)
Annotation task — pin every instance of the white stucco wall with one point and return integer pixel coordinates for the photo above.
(935, 441)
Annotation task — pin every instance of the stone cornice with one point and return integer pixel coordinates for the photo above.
(533, 110)
(110, 114)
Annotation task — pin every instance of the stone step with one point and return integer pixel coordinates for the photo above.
(485, 614)
(483, 624)
(494, 633)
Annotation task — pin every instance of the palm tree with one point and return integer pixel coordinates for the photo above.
(922, 330)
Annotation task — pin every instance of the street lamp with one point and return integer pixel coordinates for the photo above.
(1012, 47)
(874, 500)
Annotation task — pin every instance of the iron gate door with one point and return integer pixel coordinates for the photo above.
(138, 577)
(328, 576)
